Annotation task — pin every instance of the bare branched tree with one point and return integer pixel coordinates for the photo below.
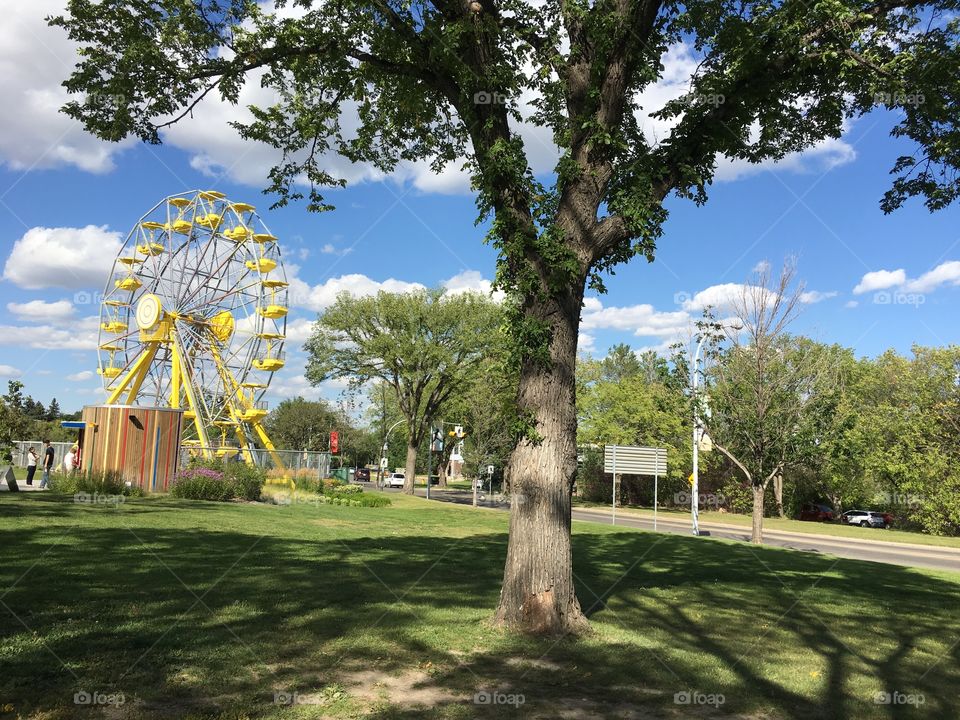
(760, 383)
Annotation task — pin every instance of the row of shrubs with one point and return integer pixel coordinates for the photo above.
(338, 492)
(355, 500)
(218, 481)
(215, 480)
(106, 482)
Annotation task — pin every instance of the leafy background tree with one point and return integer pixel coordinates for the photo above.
(624, 399)
(298, 424)
(24, 418)
(424, 345)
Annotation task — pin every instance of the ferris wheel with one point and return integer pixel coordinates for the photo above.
(194, 317)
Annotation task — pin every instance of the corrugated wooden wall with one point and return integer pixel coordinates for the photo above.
(141, 443)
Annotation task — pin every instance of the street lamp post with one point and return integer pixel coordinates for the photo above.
(695, 489)
(383, 452)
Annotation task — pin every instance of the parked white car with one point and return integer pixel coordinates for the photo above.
(864, 518)
(395, 480)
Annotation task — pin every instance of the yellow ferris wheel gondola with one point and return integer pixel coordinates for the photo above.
(194, 317)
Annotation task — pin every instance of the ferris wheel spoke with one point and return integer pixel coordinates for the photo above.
(216, 271)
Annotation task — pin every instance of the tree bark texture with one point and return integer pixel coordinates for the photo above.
(756, 534)
(538, 594)
(410, 471)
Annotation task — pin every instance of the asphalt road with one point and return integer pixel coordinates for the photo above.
(910, 555)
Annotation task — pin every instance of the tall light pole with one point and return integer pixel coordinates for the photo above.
(695, 489)
(383, 452)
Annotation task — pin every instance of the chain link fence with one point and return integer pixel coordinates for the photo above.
(20, 448)
(293, 460)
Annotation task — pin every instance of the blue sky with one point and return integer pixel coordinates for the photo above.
(876, 281)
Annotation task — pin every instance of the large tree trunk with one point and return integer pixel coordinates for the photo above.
(756, 535)
(538, 594)
(411, 469)
(778, 493)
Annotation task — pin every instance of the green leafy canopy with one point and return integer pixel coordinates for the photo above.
(441, 81)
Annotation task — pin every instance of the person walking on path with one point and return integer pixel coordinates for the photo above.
(47, 463)
(32, 458)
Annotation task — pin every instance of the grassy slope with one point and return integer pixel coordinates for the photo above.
(206, 610)
(769, 523)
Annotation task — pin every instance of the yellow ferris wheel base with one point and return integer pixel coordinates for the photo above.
(158, 330)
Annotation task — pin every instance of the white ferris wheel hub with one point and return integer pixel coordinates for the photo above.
(149, 311)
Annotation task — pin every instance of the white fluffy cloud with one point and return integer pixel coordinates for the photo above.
(880, 280)
(641, 320)
(34, 60)
(51, 337)
(81, 376)
(467, 281)
(942, 274)
(815, 296)
(42, 311)
(821, 157)
(321, 296)
(586, 343)
(298, 332)
(946, 273)
(722, 297)
(8, 371)
(71, 258)
(471, 281)
(286, 386)
(318, 297)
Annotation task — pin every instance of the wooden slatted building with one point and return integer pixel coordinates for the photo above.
(142, 443)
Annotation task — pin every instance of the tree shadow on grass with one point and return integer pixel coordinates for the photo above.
(203, 622)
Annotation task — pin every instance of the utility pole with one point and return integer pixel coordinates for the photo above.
(383, 433)
(695, 475)
(429, 459)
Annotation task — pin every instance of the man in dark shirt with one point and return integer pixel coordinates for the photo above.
(47, 462)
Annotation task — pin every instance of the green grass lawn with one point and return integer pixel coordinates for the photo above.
(204, 610)
(770, 523)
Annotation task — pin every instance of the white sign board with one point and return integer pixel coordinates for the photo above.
(633, 460)
(489, 469)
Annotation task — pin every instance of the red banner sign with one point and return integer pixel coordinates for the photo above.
(334, 441)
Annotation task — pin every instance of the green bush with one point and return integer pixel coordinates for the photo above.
(62, 483)
(343, 490)
(594, 485)
(737, 495)
(331, 483)
(309, 485)
(106, 482)
(359, 500)
(247, 480)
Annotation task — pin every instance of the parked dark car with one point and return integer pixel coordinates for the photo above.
(816, 512)
(362, 474)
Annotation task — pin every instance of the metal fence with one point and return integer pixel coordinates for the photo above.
(20, 448)
(293, 460)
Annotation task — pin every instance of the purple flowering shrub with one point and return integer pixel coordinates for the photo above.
(215, 480)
